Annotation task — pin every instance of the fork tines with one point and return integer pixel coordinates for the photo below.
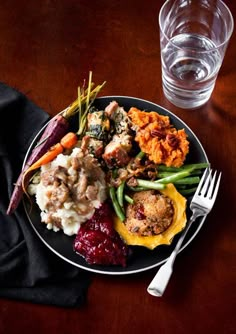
(208, 185)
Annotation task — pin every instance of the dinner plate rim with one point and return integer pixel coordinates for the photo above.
(102, 271)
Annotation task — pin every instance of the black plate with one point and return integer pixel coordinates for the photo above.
(142, 259)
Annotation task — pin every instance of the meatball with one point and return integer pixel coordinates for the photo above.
(151, 214)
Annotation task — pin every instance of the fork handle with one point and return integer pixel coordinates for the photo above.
(162, 277)
(158, 284)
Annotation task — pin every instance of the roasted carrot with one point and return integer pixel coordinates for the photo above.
(46, 158)
(51, 154)
(69, 140)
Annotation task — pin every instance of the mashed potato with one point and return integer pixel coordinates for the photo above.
(68, 191)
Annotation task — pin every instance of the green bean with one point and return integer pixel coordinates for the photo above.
(150, 184)
(120, 194)
(200, 165)
(128, 199)
(163, 168)
(174, 177)
(115, 173)
(196, 172)
(187, 191)
(137, 188)
(116, 205)
(188, 180)
(161, 175)
(165, 174)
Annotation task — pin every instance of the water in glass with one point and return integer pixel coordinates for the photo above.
(190, 63)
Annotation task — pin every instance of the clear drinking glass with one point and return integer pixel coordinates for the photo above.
(194, 35)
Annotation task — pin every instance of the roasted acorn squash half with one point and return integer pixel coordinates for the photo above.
(166, 237)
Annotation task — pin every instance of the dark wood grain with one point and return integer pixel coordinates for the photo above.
(46, 50)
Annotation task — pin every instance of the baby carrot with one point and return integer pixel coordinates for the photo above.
(51, 154)
(69, 140)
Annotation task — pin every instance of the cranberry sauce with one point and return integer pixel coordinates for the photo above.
(98, 242)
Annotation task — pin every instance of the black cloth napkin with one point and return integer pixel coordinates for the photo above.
(29, 271)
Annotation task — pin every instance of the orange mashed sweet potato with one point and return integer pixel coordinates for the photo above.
(160, 140)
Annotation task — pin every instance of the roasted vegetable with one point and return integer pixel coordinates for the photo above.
(98, 125)
(55, 129)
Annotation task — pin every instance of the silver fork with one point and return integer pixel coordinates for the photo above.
(201, 204)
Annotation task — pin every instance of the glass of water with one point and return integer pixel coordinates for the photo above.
(194, 35)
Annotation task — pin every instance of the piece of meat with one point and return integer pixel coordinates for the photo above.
(75, 163)
(79, 188)
(91, 192)
(116, 153)
(119, 117)
(92, 145)
(58, 196)
(151, 214)
(58, 173)
(111, 108)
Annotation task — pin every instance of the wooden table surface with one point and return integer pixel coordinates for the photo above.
(47, 48)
